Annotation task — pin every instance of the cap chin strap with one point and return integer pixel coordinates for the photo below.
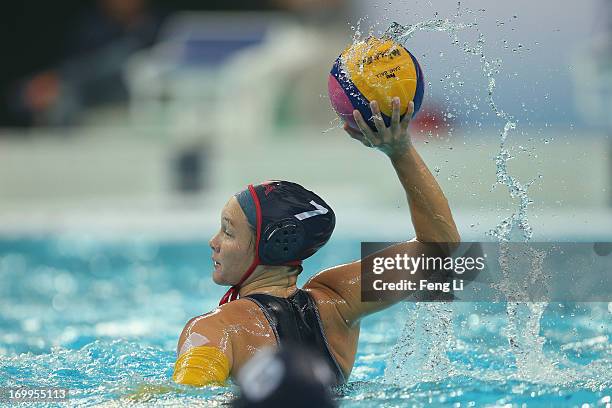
(233, 292)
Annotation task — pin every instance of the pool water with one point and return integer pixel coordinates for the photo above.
(101, 317)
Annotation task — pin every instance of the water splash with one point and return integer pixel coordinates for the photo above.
(413, 359)
(490, 68)
(524, 317)
(429, 326)
(106, 371)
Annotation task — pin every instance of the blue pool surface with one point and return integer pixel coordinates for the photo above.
(101, 317)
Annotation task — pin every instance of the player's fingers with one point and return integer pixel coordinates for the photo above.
(408, 117)
(363, 126)
(378, 121)
(395, 113)
(356, 134)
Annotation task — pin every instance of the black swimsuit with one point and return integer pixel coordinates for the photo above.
(296, 320)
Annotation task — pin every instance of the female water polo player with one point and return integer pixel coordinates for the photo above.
(266, 231)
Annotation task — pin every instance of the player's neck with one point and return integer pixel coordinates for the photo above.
(271, 280)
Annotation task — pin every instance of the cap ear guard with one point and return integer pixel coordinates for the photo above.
(281, 242)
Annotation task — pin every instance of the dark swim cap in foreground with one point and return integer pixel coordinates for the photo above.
(291, 223)
(289, 377)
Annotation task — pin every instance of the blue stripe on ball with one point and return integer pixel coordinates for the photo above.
(357, 99)
(420, 89)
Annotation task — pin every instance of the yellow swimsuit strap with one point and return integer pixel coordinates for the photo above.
(202, 365)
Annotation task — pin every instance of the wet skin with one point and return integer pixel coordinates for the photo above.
(239, 328)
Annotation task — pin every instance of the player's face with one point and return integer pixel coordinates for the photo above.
(233, 245)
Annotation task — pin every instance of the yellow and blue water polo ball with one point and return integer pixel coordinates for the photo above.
(374, 69)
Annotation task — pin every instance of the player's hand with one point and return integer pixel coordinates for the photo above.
(391, 140)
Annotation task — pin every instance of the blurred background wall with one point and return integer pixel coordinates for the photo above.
(144, 116)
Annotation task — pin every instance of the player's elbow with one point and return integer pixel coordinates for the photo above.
(455, 237)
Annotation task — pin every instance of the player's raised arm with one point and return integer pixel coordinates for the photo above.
(431, 215)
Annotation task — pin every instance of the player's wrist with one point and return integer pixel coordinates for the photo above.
(400, 152)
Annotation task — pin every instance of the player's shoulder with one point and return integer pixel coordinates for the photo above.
(229, 313)
(236, 310)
